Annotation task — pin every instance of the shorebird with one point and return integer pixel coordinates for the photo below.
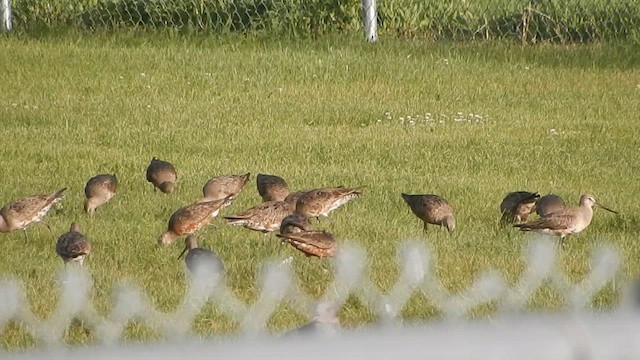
(292, 198)
(199, 259)
(272, 187)
(294, 223)
(548, 204)
(162, 175)
(225, 186)
(265, 217)
(189, 219)
(517, 206)
(72, 246)
(98, 191)
(312, 243)
(567, 221)
(431, 209)
(23, 212)
(317, 202)
(325, 322)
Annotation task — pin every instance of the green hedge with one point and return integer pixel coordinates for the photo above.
(564, 21)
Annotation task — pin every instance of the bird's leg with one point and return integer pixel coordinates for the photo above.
(48, 227)
(25, 234)
(424, 228)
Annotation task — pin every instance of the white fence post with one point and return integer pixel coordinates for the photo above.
(370, 19)
(5, 11)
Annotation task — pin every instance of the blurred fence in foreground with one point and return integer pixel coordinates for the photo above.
(418, 274)
(528, 21)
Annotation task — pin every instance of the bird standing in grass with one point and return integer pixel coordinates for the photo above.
(567, 221)
(72, 246)
(431, 209)
(517, 206)
(265, 217)
(312, 242)
(225, 186)
(189, 219)
(548, 204)
(98, 191)
(272, 187)
(321, 202)
(199, 259)
(24, 212)
(162, 175)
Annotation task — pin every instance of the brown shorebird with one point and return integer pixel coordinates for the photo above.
(199, 259)
(567, 221)
(162, 175)
(317, 202)
(548, 204)
(294, 223)
(23, 212)
(292, 198)
(431, 209)
(189, 219)
(225, 186)
(272, 187)
(72, 246)
(265, 217)
(517, 206)
(99, 189)
(312, 243)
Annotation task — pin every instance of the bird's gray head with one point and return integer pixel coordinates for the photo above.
(587, 200)
(450, 223)
(75, 227)
(167, 187)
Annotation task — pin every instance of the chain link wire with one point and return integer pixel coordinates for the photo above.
(528, 21)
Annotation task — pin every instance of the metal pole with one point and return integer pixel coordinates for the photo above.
(370, 19)
(5, 10)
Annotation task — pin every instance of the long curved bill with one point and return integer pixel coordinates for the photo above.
(182, 253)
(606, 208)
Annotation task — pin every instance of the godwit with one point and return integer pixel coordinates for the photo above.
(567, 221)
(272, 187)
(431, 209)
(162, 175)
(72, 246)
(312, 243)
(294, 223)
(189, 219)
(292, 198)
(325, 322)
(314, 203)
(517, 206)
(99, 189)
(265, 217)
(199, 259)
(23, 212)
(548, 204)
(225, 186)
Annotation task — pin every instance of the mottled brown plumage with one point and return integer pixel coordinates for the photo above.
(162, 175)
(312, 243)
(98, 191)
(189, 219)
(264, 217)
(567, 221)
(272, 187)
(431, 209)
(225, 186)
(517, 206)
(317, 202)
(73, 246)
(294, 223)
(200, 259)
(21, 213)
(548, 204)
(292, 198)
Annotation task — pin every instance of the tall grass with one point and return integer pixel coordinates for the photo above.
(547, 20)
(467, 122)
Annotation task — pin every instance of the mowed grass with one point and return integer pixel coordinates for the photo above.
(325, 113)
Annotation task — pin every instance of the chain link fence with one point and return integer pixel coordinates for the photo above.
(528, 21)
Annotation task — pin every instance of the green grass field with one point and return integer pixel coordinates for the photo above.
(325, 113)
